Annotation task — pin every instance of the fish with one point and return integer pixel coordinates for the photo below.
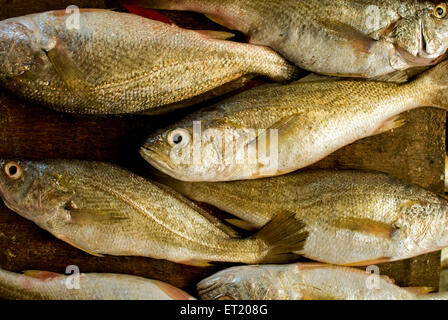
(353, 217)
(276, 129)
(306, 281)
(103, 209)
(44, 285)
(101, 62)
(349, 38)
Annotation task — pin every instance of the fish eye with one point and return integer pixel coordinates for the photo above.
(13, 171)
(440, 11)
(178, 137)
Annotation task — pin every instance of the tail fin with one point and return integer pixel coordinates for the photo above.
(432, 86)
(283, 236)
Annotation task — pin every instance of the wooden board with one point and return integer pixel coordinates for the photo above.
(414, 152)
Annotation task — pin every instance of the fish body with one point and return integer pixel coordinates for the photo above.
(276, 129)
(43, 285)
(103, 209)
(105, 62)
(352, 217)
(302, 281)
(354, 38)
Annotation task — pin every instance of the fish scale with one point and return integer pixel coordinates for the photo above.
(121, 63)
(306, 281)
(103, 209)
(352, 38)
(41, 285)
(353, 217)
(312, 120)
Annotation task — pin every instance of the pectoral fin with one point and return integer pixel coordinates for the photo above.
(368, 226)
(354, 38)
(368, 262)
(196, 263)
(390, 124)
(89, 216)
(310, 265)
(219, 35)
(70, 73)
(285, 128)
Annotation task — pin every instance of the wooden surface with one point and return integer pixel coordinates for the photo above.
(414, 152)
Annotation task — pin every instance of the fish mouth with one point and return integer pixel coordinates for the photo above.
(423, 43)
(423, 58)
(417, 61)
(209, 289)
(149, 154)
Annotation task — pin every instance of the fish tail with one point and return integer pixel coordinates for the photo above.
(272, 65)
(282, 238)
(434, 83)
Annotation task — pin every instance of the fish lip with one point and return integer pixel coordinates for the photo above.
(420, 59)
(423, 52)
(207, 288)
(417, 61)
(146, 152)
(423, 43)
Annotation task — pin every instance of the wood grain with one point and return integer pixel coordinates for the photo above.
(414, 153)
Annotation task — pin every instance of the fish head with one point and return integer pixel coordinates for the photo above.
(421, 36)
(434, 31)
(241, 283)
(190, 151)
(32, 189)
(21, 48)
(169, 151)
(422, 226)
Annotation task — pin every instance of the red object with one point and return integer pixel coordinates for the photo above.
(147, 13)
(252, 84)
